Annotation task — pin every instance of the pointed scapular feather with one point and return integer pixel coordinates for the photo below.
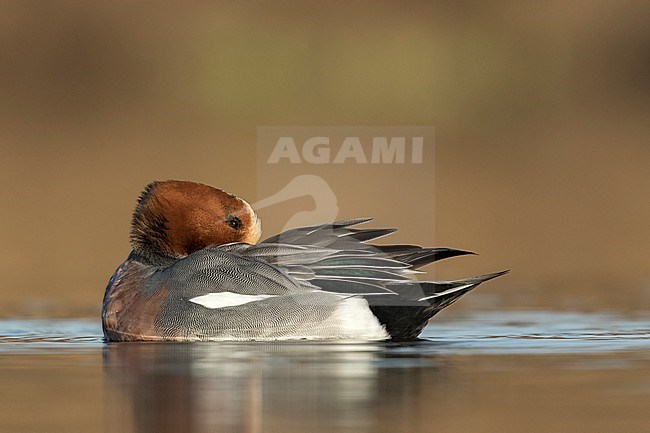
(350, 287)
(343, 260)
(285, 255)
(369, 234)
(430, 255)
(316, 234)
(418, 256)
(351, 222)
(276, 249)
(301, 272)
(360, 273)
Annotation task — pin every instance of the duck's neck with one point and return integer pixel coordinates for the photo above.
(151, 258)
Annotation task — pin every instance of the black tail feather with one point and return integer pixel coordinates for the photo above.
(405, 315)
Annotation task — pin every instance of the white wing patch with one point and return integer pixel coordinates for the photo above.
(226, 299)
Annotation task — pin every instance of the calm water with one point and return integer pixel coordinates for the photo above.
(480, 372)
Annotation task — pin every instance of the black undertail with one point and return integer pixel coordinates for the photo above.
(405, 316)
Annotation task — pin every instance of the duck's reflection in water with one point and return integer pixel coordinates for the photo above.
(267, 387)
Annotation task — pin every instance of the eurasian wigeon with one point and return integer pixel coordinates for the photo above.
(197, 272)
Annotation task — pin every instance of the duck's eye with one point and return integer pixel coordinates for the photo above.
(233, 222)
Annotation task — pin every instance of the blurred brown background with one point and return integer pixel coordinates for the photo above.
(540, 109)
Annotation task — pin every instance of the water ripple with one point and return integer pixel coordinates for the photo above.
(498, 332)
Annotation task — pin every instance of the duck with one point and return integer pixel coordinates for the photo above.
(198, 272)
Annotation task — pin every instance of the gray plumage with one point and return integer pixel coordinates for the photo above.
(309, 272)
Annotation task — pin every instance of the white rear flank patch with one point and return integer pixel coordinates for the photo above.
(226, 299)
(354, 320)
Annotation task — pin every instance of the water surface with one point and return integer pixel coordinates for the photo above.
(476, 372)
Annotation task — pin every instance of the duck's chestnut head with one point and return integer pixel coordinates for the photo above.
(175, 218)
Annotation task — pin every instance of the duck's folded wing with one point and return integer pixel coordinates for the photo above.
(265, 270)
(239, 272)
(246, 292)
(229, 270)
(244, 289)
